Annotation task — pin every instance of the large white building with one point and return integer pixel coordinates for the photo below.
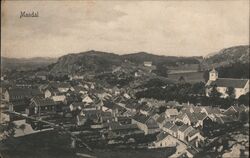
(241, 86)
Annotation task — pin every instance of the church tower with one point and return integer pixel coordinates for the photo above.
(213, 75)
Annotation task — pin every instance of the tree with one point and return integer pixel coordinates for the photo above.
(244, 117)
(244, 99)
(231, 92)
(7, 130)
(22, 127)
(161, 70)
(198, 88)
(214, 92)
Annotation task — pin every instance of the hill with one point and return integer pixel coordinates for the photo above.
(228, 56)
(96, 61)
(90, 61)
(160, 59)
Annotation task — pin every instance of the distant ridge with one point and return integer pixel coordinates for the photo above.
(228, 56)
(96, 61)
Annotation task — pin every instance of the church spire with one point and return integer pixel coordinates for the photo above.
(213, 75)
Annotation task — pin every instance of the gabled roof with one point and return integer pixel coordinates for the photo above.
(168, 125)
(117, 126)
(183, 128)
(132, 105)
(197, 109)
(191, 151)
(240, 108)
(162, 135)
(174, 128)
(181, 115)
(161, 118)
(200, 116)
(141, 118)
(78, 104)
(150, 122)
(230, 111)
(43, 101)
(172, 111)
(79, 88)
(193, 132)
(230, 82)
(105, 114)
(24, 92)
(212, 110)
(145, 107)
(226, 119)
(192, 117)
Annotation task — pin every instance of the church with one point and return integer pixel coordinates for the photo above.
(241, 86)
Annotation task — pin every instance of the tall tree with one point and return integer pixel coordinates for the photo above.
(214, 92)
(198, 88)
(231, 92)
(8, 130)
(22, 127)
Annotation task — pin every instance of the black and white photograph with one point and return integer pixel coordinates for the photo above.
(124, 79)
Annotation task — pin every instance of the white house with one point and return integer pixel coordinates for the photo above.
(87, 100)
(59, 98)
(165, 140)
(145, 123)
(171, 113)
(183, 131)
(195, 134)
(241, 86)
(147, 63)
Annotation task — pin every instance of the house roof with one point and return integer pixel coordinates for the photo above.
(145, 107)
(230, 82)
(109, 104)
(117, 126)
(64, 85)
(53, 91)
(168, 125)
(132, 105)
(192, 117)
(78, 104)
(193, 132)
(181, 116)
(151, 123)
(200, 116)
(183, 128)
(212, 110)
(43, 101)
(161, 118)
(25, 92)
(141, 118)
(172, 111)
(105, 114)
(213, 71)
(92, 114)
(79, 88)
(161, 135)
(240, 108)
(227, 119)
(174, 128)
(197, 109)
(191, 151)
(231, 111)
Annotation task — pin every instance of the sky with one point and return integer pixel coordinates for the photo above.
(175, 28)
